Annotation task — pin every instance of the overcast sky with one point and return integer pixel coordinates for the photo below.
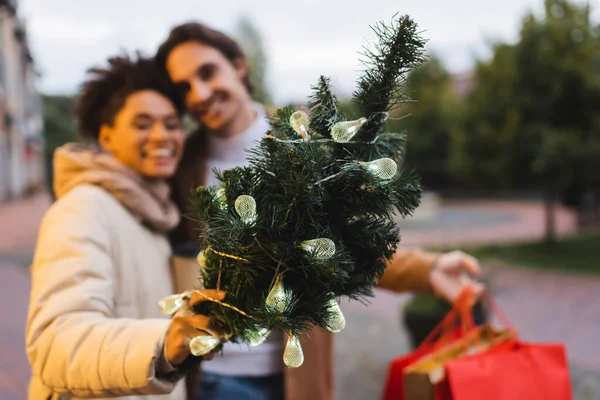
(302, 41)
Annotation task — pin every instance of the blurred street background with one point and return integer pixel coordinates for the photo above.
(505, 135)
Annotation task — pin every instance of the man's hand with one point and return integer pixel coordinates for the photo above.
(450, 275)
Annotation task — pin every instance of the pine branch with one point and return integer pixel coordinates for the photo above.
(280, 126)
(399, 49)
(324, 107)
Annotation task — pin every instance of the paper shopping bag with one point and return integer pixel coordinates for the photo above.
(445, 333)
(425, 378)
(523, 371)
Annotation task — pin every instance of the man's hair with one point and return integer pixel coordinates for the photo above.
(104, 93)
(200, 33)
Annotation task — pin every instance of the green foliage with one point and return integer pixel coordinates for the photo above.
(427, 304)
(251, 41)
(324, 106)
(557, 56)
(381, 86)
(577, 255)
(433, 118)
(59, 127)
(533, 116)
(59, 123)
(307, 189)
(486, 150)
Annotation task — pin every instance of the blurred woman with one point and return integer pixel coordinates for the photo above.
(102, 259)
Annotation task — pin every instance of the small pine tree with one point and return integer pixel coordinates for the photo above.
(311, 218)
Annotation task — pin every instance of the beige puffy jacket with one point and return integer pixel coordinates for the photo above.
(100, 266)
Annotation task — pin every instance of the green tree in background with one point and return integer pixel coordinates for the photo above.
(482, 151)
(431, 120)
(532, 120)
(559, 96)
(59, 128)
(251, 41)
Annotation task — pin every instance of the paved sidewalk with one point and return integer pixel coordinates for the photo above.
(484, 222)
(14, 297)
(20, 221)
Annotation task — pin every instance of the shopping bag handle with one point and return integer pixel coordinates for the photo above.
(496, 310)
(448, 324)
(462, 309)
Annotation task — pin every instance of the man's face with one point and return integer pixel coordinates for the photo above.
(212, 85)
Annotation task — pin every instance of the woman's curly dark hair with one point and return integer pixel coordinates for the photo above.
(103, 95)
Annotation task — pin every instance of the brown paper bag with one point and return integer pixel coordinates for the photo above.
(421, 378)
(186, 273)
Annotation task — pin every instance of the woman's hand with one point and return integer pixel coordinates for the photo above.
(186, 325)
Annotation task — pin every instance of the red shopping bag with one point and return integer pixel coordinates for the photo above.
(525, 371)
(508, 370)
(514, 371)
(445, 333)
(394, 387)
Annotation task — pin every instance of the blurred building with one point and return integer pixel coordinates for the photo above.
(21, 123)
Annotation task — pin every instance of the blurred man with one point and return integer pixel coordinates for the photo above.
(212, 74)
